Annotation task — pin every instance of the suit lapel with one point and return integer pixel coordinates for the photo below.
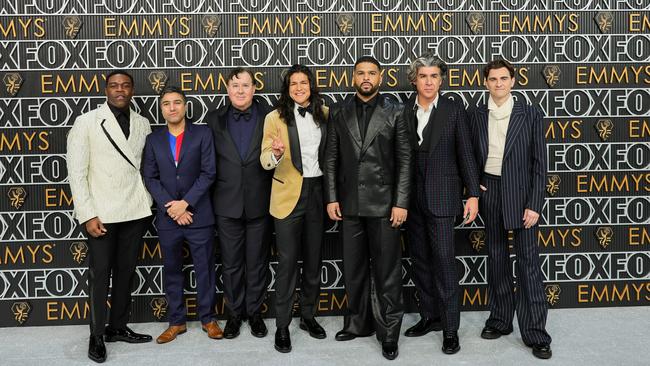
(351, 122)
(112, 128)
(482, 122)
(257, 135)
(377, 121)
(162, 142)
(187, 138)
(411, 120)
(294, 145)
(222, 120)
(514, 127)
(438, 119)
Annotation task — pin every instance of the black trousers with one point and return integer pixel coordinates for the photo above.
(245, 249)
(431, 247)
(372, 254)
(115, 252)
(529, 300)
(300, 235)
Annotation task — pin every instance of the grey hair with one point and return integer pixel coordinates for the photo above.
(426, 60)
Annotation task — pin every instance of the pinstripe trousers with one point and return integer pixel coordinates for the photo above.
(528, 300)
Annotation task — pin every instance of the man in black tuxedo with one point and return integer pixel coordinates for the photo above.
(241, 196)
(508, 139)
(444, 164)
(368, 171)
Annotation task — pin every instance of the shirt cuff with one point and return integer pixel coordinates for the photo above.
(274, 160)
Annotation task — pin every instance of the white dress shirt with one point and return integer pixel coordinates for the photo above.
(423, 115)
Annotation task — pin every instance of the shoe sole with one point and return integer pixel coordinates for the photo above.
(259, 335)
(231, 336)
(125, 339)
(543, 356)
(177, 334)
(215, 337)
(451, 352)
(496, 335)
(313, 335)
(282, 350)
(390, 358)
(96, 359)
(413, 335)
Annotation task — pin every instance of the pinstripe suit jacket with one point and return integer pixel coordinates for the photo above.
(524, 160)
(449, 164)
(103, 183)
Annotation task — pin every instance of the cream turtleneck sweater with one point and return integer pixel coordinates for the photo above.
(498, 120)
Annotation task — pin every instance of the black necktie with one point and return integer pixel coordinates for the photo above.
(237, 114)
(363, 123)
(303, 110)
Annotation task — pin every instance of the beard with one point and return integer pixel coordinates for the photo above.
(367, 93)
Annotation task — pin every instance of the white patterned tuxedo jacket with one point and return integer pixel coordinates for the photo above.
(105, 180)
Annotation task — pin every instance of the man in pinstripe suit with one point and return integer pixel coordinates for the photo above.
(508, 141)
(444, 164)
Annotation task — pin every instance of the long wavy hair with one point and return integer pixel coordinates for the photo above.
(286, 104)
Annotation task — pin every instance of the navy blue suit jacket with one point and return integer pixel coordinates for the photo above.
(190, 181)
(523, 168)
(449, 164)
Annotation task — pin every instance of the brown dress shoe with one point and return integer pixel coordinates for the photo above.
(213, 330)
(170, 333)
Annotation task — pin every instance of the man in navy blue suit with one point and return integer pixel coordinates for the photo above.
(444, 165)
(508, 141)
(179, 168)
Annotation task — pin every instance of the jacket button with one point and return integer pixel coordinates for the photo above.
(178, 177)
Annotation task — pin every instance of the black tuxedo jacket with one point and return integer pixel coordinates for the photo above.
(523, 168)
(368, 177)
(446, 162)
(242, 186)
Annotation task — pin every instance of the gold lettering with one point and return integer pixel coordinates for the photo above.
(639, 128)
(638, 236)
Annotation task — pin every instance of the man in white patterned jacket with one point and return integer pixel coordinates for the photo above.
(111, 203)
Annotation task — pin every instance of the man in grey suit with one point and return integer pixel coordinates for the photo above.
(111, 202)
(508, 139)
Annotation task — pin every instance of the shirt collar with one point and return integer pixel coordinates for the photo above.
(491, 105)
(371, 103)
(433, 104)
(119, 111)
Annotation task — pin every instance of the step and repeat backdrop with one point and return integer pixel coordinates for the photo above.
(585, 63)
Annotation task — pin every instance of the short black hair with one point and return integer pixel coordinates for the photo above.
(497, 64)
(236, 71)
(119, 72)
(369, 59)
(172, 89)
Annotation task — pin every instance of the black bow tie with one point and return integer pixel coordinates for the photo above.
(237, 114)
(303, 110)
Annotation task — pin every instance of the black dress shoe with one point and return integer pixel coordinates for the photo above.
(283, 340)
(489, 332)
(97, 349)
(258, 328)
(312, 326)
(125, 335)
(232, 327)
(424, 326)
(542, 350)
(389, 350)
(344, 335)
(450, 343)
